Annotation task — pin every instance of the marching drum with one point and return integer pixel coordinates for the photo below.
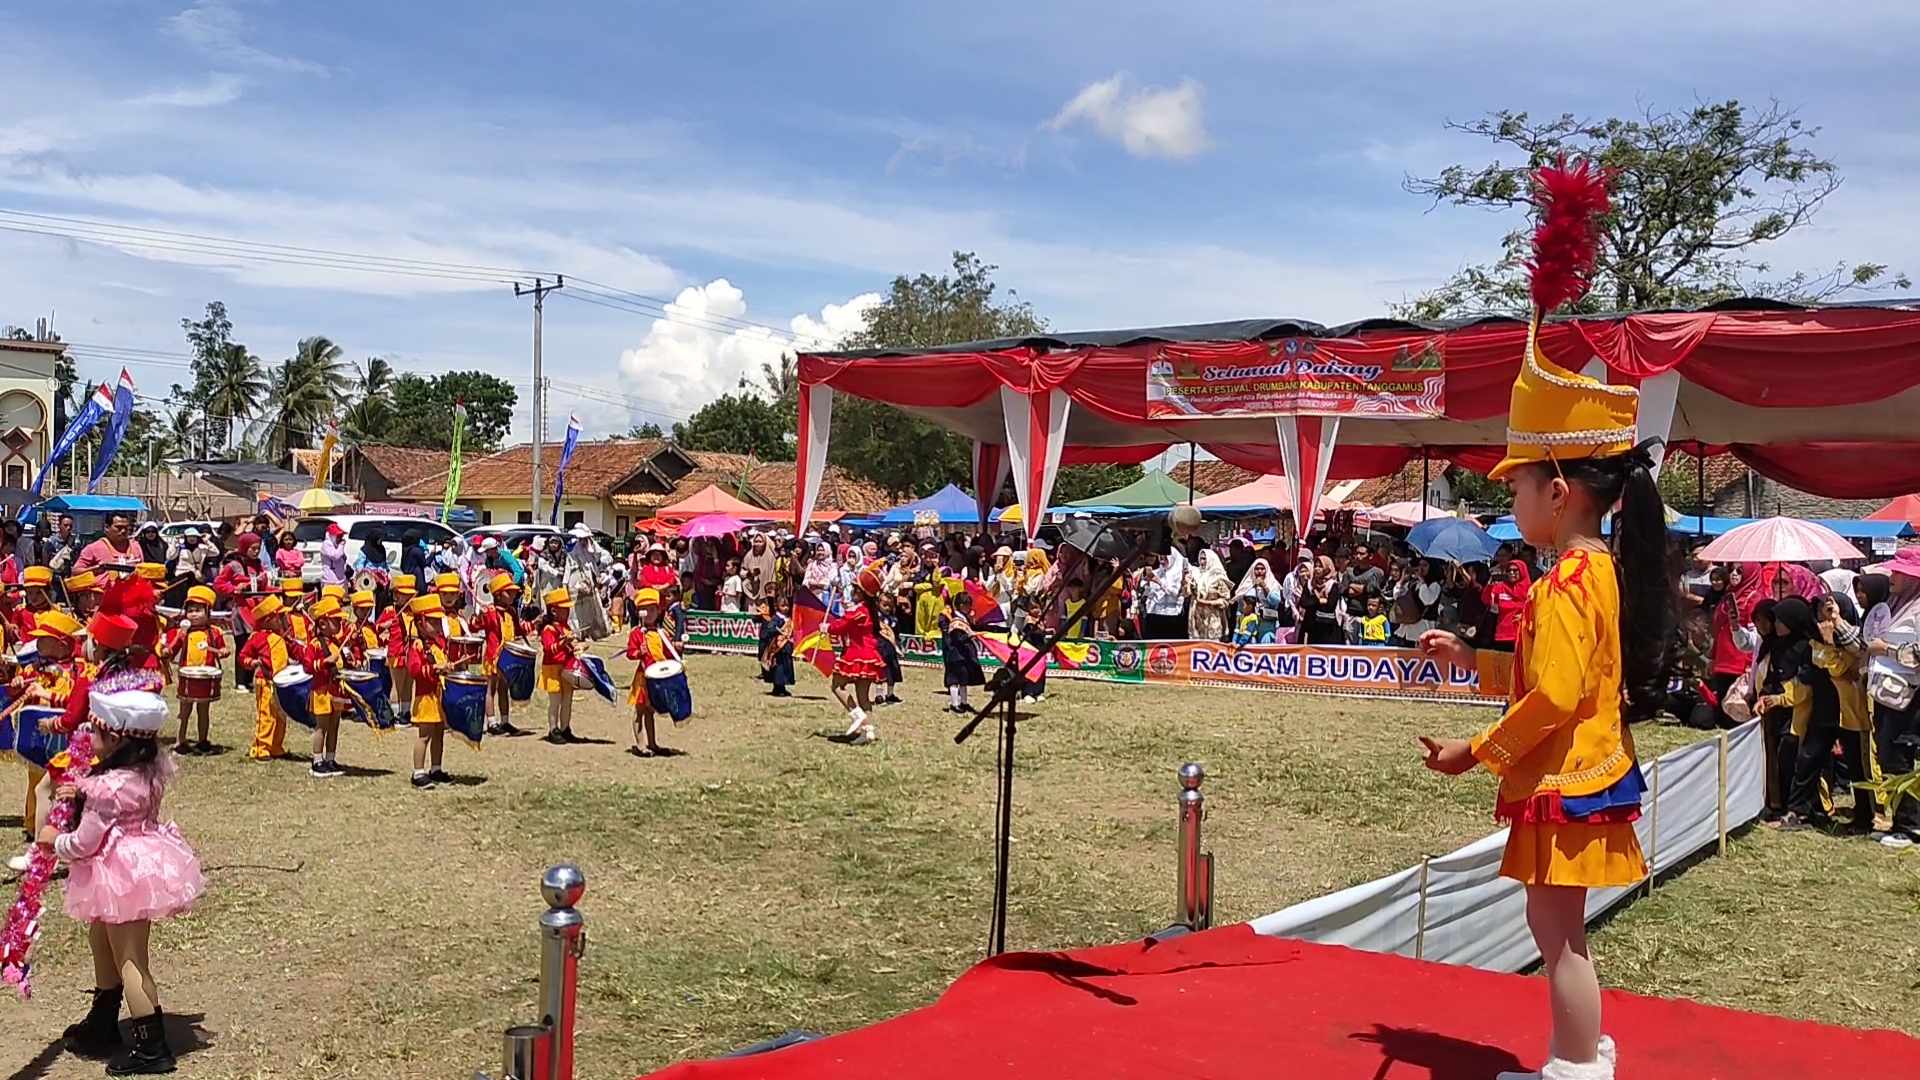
(27, 654)
(596, 671)
(518, 664)
(168, 615)
(198, 683)
(369, 698)
(30, 742)
(463, 697)
(293, 689)
(466, 649)
(667, 690)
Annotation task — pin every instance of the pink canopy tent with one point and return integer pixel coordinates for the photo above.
(1271, 489)
(711, 500)
(1751, 377)
(1406, 513)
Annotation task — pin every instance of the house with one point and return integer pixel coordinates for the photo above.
(26, 408)
(613, 483)
(374, 472)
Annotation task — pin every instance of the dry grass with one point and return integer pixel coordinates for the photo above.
(770, 879)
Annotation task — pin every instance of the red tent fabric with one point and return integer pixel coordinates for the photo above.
(711, 500)
(1905, 508)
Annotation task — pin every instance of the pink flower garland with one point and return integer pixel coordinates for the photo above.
(23, 918)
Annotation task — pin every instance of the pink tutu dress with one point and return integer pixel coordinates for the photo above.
(124, 863)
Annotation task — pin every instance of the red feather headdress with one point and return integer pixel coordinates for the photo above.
(1566, 240)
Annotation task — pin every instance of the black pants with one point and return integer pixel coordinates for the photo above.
(1782, 751)
(1814, 764)
(1894, 733)
(242, 673)
(1720, 684)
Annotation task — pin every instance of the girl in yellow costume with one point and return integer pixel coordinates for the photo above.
(267, 653)
(428, 662)
(1587, 660)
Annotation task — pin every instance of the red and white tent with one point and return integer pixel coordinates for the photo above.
(1821, 398)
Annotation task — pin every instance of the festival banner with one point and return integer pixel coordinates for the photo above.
(1349, 671)
(1326, 669)
(1298, 377)
(453, 462)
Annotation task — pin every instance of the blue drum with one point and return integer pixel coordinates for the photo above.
(667, 690)
(370, 705)
(377, 663)
(463, 697)
(293, 689)
(596, 671)
(519, 663)
(36, 746)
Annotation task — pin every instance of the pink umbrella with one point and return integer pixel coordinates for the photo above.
(708, 525)
(1780, 539)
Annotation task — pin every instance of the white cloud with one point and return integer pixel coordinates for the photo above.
(215, 28)
(691, 356)
(1150, 121)
(219, 89)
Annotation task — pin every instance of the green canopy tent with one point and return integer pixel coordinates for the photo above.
(1154, 491)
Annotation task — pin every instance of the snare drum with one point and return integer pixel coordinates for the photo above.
(369, 699)
(168, 615)
(466, 649)
(595, 670)
(33, 744)
(293, 689)
(198, 683)
(667, 690)
(463, 698)
(519, 662)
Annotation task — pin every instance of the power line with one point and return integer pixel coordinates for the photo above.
(638, 296)
(699, 322)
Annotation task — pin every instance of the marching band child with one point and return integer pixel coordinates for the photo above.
(557, 663)
(196, 642)
(83, 594)
(266, 654)
(427, 661)
(960, 654)
(447, 588)
(1589, 658)
(889, 647)
(857, 666)
(645, 645)
(500, 624)
(50, 682)
(37, 582)
(326, 701)
(776, 644)
(126, 868)
(396, 625)
(293, 593)
(362, 635)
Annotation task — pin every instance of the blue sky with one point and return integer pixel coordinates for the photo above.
(1124, 163)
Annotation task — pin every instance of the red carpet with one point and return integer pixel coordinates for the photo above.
(1229, 1003)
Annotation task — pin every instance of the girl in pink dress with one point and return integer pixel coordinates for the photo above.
(126, 868)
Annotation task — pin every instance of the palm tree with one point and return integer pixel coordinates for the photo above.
(782, 380)
(236, 387)
(372, 408)
(304, 391)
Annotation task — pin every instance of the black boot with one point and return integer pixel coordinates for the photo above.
(149, 1053)
(99, 1034)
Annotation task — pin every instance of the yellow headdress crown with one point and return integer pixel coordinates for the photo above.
(1556, 414)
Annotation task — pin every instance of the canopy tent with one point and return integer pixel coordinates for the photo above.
(1405, 513)
(1751, 377)
(1153, 491)
(1268, 492)
(711, 500)
(1904, 508)
(1688, 525)
(948, 506)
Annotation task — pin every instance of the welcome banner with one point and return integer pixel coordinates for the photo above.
(1314, 669)
(1298, 377)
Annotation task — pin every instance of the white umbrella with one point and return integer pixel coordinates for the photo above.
(1405, 513)
(1780, 539)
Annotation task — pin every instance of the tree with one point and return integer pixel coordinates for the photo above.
(1084, 481)
(372, 409)
(423, 410)
(1696, 194)
(883, 445)
(782, 380)
(305, 391)
(234, 386)
(648, 430)
(743, 423)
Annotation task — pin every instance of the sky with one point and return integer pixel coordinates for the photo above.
(761, 171)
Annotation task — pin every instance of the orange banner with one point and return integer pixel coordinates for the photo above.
(1326, 669)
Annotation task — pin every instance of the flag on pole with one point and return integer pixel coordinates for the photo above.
(116, 429)
(323, 464)
(453, 462)
(560, 474)
(811, 644)
(99, 406)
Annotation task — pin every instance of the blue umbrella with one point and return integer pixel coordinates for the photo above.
(1453, 539)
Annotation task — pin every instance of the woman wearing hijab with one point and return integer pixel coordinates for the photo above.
(1839, 650)
(1212, 592)
(1269, 599)
(820, 577)
(1790, 695)
(1506, 600)
(1891, 628)
(152, 548)
(1320, 606)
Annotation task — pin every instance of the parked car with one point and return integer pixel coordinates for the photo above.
(509, 535)
(309, 531)
(173, 530)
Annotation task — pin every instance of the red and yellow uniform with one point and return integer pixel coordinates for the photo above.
(51, 683)
(267, 652)
(424, 660)
(193, 646)
(299, 624)
(645, 645)
(498, 624)
(322, 660)
(36, 580)
(556, 644)
(363, 632)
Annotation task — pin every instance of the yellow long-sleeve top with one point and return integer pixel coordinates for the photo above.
(1563, 731)
(1847, 669)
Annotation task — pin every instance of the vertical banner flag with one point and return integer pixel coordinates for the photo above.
(99, 406)
(116, 430)
(453, 462)
(323, 464)
(560, 474)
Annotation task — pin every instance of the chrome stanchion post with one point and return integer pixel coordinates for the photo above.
(1194, 908)
(563, 941)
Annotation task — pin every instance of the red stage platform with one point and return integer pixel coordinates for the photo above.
(1229, 1003)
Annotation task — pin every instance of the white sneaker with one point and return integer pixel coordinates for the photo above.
(19, 863)
(866, 735)
(1896, 841)
(1561, 1069)
(855, 721)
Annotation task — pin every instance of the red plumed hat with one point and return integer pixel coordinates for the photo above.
(133, 598)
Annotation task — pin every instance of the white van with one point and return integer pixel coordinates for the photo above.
(309, 531)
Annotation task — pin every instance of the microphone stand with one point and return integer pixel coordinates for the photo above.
(1007, 684)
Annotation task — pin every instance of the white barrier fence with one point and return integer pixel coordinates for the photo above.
(1457, 909)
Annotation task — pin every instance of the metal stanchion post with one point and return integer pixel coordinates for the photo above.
(563, 941)
(1194, 909)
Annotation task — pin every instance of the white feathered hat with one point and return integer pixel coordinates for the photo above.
(137, 713)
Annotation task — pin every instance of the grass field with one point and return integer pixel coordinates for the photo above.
(771, 879)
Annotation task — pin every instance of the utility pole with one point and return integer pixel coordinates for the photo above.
(539, 293)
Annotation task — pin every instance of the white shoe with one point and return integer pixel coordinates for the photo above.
(866, 735)
(1896, 841)
(855, 721)
(1561, 1069)
(1608, 1053)
(19, 863)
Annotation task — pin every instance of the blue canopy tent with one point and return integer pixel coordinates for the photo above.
(949, 506)
(90, 511)
(1504, 529)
